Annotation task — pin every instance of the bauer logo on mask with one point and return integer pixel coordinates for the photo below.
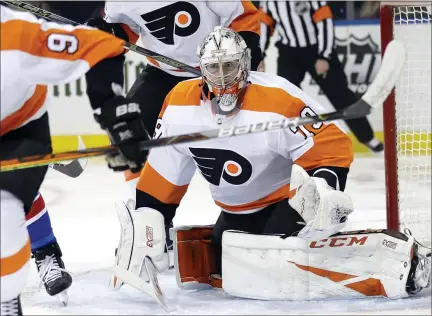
(180, 18)
(217, 164)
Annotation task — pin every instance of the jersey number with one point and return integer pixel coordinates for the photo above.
(62, 42)
(307, 112)
(158, 129)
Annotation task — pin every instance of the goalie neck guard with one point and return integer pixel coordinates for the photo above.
(225, 64)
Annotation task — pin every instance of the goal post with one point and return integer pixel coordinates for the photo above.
(407, 119)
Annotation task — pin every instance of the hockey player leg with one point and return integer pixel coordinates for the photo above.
(46, 251)
(324, 209)
(141, 254)
(347, 265)
(15, 253)
(18, 189)
(52, 271)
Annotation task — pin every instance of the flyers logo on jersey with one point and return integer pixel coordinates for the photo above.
(217, 164)
(180, 18)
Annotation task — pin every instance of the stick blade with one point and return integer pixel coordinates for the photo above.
(81, 146)
(390, 70)
(150, 287)
(72, 169)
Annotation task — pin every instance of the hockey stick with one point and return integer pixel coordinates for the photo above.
(72, 169)
(75, 167)
(137, 49)
(378, 91)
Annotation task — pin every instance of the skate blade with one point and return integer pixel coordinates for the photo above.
(63, 297)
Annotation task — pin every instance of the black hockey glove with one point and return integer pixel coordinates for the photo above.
(120, 118)
(111, 28)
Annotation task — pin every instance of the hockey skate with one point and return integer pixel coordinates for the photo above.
(52, 272)
(12, 307)
(375, 146)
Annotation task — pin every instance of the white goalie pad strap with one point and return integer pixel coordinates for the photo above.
(351, 265)
(324, 209)
(131, 187)
(149, 240)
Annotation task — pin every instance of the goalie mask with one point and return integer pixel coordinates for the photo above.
(225, 65)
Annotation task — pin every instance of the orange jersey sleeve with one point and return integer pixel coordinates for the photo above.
(51, 53)
(267, 20)
(331, 146)
(310, 146)
(132, 36)
(322, 13)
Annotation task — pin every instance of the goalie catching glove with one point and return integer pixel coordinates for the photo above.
(324, 209)
(121, 119)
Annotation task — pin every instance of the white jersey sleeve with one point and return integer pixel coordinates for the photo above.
(114, 13)
(238, 15)
(313, 145)
(294, 142)
(168, 171)
(51, 53)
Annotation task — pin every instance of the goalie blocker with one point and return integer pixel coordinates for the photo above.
(353, 264)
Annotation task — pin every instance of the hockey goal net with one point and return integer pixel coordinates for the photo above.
(407, 120)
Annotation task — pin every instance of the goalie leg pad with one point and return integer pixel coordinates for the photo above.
(124, 249)
(149, 240)
(142, 235)
(195, 257)
(347, 265)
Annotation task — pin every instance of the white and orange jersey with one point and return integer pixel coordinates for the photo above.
(176, 28)
(245, 173)
(35, 53)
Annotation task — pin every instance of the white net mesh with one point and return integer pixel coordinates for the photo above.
(412, 25)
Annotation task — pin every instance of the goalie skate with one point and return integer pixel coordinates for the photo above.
(420, 276)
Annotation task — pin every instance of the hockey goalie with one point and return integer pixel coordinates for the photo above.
(281, 194)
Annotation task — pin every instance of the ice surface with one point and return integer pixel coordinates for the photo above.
(86, 226)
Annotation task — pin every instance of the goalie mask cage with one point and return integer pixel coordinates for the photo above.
(407, 120)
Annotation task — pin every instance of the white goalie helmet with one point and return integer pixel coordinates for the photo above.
(225, 65)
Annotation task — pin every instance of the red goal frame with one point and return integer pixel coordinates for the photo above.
(389, 125)
(389, 116)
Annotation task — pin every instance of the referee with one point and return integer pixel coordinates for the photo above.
(306, 44)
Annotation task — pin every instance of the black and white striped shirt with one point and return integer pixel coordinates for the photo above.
(301, 24)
